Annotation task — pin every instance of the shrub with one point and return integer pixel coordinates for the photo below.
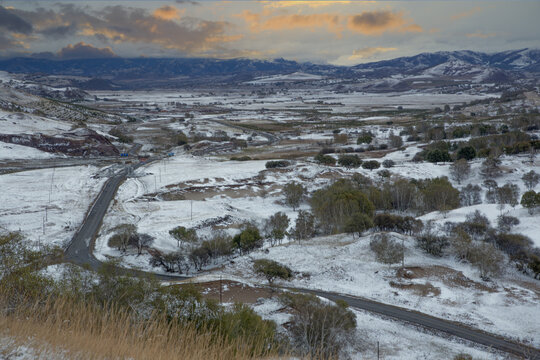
(365, 138)
(386, 250)
(437, 155)
(505, 222)
(371, 164)
(325, 159)
(433, 244)
(531, 179)
(318, 329)
(388, 163)
(272, 270)
(349, 161)
(272, 164)
(530, 200)
(466, 152)
(241, 158)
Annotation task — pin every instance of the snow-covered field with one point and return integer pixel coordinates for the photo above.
(47, 205)
(446, 288)
(22, 123)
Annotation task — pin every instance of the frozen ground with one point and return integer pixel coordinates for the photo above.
(396, 340)
(22, 123)
(47, 205)
(14, 152)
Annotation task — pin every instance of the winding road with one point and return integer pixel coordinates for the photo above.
(80, 251)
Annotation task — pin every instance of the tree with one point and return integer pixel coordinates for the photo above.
(365, 138)
(530, 200)
(304, 226)
(386, 250)
(395, 140)
(460, 170)
(272, 270)
(123, 233)
(335, 204)
(438, 194)
(486, 258)
(371, 164)
(508, 194)
(182, 234)
(531, 179)
(470, 195)
(490, 168)
(248, 239)
(349, 161)
(467, 153)
(294, 192)
(276, 227)
(140, 242)
(358, 223)
(318, 329)
(432, 244)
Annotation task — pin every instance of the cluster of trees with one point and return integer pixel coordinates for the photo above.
(126, 236)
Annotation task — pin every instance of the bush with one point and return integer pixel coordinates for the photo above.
(365, 138)
(272, 270)
(319, 330)
(272, 164)
(433, 244)
(505, 222)
(349, 161)
(388, 163)
(325, 159)
(530, 200)
(396, 223)
(240, 158)
(531, 179)
(371, 164)
(386, 250)
(437, 155)
(467, 153)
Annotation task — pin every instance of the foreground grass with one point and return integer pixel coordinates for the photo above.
(74, 330)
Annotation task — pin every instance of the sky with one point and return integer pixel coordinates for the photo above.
(330, 32)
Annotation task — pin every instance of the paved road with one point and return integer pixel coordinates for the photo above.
(431, 322)
(79, 252)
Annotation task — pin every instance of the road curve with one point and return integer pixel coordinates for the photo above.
(80, 252)
(427, 321)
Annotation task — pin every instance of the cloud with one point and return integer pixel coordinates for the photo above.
(370, 52)
(467, 13)
(167, 13)
(12, 22)
(263, 22)
(378, 22)
(480, 35)
(84, 51)
(311, 4)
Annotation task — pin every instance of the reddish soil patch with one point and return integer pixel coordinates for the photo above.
(448, 276)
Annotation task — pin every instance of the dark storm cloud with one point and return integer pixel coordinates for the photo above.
(12, 22)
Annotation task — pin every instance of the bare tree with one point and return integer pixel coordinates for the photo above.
(460, 170)
(470, 195)
(531, 179)
(491, 168)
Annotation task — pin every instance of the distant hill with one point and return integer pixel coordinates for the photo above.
(108, 73)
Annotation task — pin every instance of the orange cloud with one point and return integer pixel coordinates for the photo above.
(369, 52)
(480, 35)
(378, 22)
(311, 4)
(467, 13)
(168, 13)
(291, 21)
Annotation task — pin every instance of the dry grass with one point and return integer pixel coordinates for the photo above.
(83, 331)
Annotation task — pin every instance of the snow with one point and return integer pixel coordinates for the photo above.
(14, 151)
(26, 207)
(22, 123)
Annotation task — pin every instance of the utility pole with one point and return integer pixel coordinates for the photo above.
(403, 253)
(220, 289)
(378, 351)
